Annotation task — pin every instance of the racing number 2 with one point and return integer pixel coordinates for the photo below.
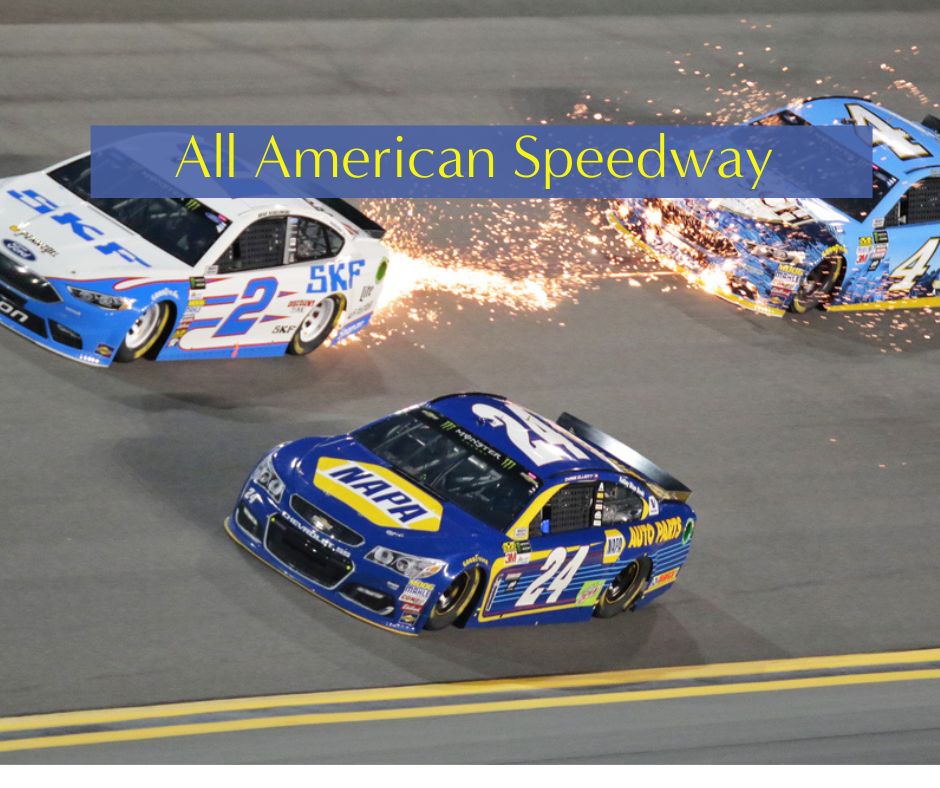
(554, 575)
(239, 322)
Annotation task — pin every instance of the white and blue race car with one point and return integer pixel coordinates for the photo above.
(102, 280)
(774, 255)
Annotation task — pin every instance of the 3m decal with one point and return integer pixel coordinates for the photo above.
(539, 442)
(245, 315)
(555, 574)
(655, 533)
(378, 494)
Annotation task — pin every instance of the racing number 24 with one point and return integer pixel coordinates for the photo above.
(557, 580)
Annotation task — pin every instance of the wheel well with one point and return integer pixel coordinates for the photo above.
(165, 334)
(470, 609)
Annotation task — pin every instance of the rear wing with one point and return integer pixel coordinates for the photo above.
(664, 484)
(354, 215)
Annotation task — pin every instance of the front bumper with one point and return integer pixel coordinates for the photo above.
(67, 327)
(331, 570)
(675, 253)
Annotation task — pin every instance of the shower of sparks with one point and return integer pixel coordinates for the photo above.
(532, 256)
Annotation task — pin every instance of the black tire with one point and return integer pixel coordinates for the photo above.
(624, 590)
(145, 333)
(817, 287)
(320, 323)
(451, 604)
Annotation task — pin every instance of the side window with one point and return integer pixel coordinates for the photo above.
(621, 505)
(919, 205)
(570, 509)
(261, 245)
(310, 240)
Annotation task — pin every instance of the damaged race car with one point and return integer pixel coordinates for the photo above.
(774, 255)
(102, 280)
(467, 510)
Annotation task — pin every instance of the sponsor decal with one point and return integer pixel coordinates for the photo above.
(588, 593)
(300, 304)
(516, 553)
(378, 494)
(366, 293)
(865, 240)
(655, 533)
(520, 533)
(42, 246)
(104, 350)
(834, 249)
(416, 593)
(511, 579)
(880, 236)
(284, 329)
(20, 250)
(476, 559)
(408, 618)
(663, 579)
(351, 328)
(581, 477)
(334, 277)
(877, 224)
(197, 282)
(614, 545)
(654, 505)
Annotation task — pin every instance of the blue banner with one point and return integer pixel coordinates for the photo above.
(481, 161)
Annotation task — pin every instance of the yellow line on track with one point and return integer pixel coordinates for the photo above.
(459, 709)
(468, 688)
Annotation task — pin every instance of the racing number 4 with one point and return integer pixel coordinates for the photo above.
(906, 274)
(898, 141)
(556, 574)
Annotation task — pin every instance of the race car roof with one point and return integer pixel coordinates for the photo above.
(830, 110)
(533, 441)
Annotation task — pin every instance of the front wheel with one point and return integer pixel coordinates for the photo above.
(143, 335)
(624, 589)
(816, 289)
(450, 604)
(316, 326)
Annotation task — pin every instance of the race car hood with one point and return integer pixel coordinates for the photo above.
(361, 491)
(73, 239)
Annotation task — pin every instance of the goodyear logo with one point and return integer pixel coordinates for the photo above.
(655, 533)
(378, 494)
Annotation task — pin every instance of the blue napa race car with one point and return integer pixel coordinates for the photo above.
(774, 255)
(467, 510)
(102, 280)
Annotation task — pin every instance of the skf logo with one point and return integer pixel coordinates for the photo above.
(655, 533)
(334, 277)
(378, 494)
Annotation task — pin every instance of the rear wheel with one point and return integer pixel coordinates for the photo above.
(316, 326)
(143, 335)
(453, 602)
(624, 589)
(818, 285)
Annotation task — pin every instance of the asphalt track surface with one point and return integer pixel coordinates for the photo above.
(812, 448)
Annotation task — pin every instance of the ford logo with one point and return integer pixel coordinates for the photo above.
(20, 250)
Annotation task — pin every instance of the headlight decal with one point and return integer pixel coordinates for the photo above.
(267, 479)
(103, 300)
(410, 566)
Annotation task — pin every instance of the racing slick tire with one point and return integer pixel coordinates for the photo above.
(144, 334)
(454, 600)
(818, 285)
(316, 326)
(624, 589)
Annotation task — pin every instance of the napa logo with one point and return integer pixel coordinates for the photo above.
(20, 250)
(378, 494)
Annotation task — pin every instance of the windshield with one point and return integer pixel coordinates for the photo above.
(182, 227)
(452, 463)
(860, 207)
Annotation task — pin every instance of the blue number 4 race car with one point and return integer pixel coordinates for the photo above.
(467, 510)
(102, 280)
(774, 255)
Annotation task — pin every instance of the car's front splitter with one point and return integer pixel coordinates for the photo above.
(331, 596)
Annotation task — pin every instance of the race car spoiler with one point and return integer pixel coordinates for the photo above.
(664, 484)
(353, 214)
